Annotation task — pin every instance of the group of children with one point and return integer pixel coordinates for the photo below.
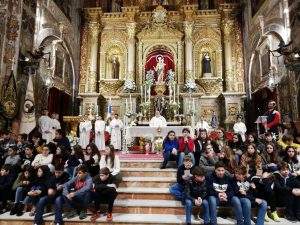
(34, 175)
(218, 171)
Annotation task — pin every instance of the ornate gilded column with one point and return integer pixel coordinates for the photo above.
(188, 31)
(89, 59)
(131, 50)
(94, 30)
(227, 27)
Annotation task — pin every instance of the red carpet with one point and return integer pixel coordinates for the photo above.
(131, 156)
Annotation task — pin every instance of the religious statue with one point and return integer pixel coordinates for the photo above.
(115, 67)
(204, 4)
(116, 5)
(206, 64)
(159, 69)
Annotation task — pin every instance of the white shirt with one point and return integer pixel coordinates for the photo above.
(41, 160)
(203, 125)
(240, 128)
(159, 121)
(117, 165)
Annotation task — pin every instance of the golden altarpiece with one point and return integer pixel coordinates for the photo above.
(201, 50)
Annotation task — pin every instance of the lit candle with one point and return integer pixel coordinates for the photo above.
(149, 92)
(126, 105)
(178, 93)
(80, 110)
(96, 110)
(141, 93)
(194, 106)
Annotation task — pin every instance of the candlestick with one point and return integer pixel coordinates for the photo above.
(130, 102)
(149, 92)
(126, 105)
(145, 93)
(141, 93)
(194, 107)
(178, 93)
(80, 110)
(96, 110)
(174, 92)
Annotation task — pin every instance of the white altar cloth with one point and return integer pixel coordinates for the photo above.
(152, 132)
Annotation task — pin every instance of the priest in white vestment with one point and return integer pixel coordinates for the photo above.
(85, 128)
(158, 120)
(116, 127)
(99, 133)
(45, 126)
(202, 124)
(240, 128)
(55, 124)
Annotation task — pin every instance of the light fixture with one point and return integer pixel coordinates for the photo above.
(291, 56)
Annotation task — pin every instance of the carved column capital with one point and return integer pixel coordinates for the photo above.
(188, 30)
(131, 28)
(227, 27)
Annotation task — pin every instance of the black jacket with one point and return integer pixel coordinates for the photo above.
(245, 185)
(54, 182)
(280, 184)
(100, 185)
(194, 189)
(216, 185)
(180, 173)
(6, 182)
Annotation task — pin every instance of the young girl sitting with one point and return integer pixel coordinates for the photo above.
(252, 161)
(38, 188)
(74, 160)
(291, 159)
(170, 148)
(270, 158)
(112, 162)
(91, 159)
(22, 186)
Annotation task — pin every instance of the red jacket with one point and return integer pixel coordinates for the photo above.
(182, 143)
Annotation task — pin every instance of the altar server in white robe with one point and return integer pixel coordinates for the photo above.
(158, 120)
(99, 133)
(202, 124)
(116, 127)
(45, 124)
(85, 128)
(240, 128)
(55, 124)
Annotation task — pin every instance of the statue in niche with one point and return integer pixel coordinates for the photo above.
(204, 4)
(160, 68)
(206, 64)
(115, 67)
(116, 5)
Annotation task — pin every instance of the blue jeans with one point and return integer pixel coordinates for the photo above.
(58, 203)
(181, 156)
(242, 210)
(31, 200)
(262, 210)
(19, 196)
(213, 203)
(168, 156)
(189, 207)
(177, 191)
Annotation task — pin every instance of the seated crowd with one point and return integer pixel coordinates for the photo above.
(220, 169)
(35, 175)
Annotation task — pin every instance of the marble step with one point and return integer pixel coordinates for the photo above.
(164, 182)
(144, 193)
(122, 219)
(145, 163)
(151, 172)
(145, 206)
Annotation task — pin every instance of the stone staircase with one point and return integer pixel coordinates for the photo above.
(143, 199)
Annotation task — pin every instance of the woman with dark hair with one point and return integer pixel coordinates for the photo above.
(110, 160)
(74, 160)
(227, 157)
(60, 156)
(252, 161)
(251, 138)
(270, 158)
(170, 148)
(201, 141)
(91, 159)
(292, 160)
(186, 146)
(237, 145)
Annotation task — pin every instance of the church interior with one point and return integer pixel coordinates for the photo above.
(187, 61)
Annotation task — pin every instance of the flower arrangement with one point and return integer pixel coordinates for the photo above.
(149, 78)
(191, 86)
(129, 86)
(170, 77)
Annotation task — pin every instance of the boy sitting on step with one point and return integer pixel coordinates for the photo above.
(184, 176)
(196, 194)
(7, 178)
(220, 190)
(104, 192)
(76, 193)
